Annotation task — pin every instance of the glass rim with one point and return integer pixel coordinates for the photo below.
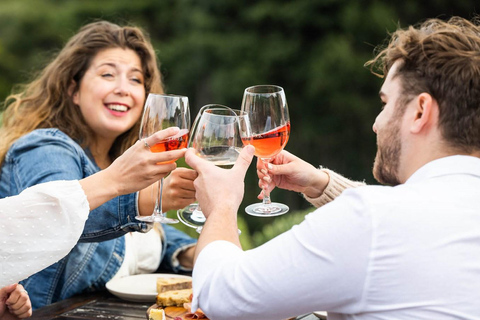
(219, 106)
(238, 112)
(168, 95)
(276, 88)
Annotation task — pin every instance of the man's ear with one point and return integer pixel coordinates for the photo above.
(425, 113)
(73, 92)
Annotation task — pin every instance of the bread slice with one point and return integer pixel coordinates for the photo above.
(174, 298)
(156, 314)
(169, 284)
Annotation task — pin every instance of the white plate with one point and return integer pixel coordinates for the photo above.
(140, 288)
(321, 314)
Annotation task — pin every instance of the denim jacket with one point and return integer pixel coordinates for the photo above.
(49, 154)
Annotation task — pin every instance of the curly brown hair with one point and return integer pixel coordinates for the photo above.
(441, 58)
(46, 102)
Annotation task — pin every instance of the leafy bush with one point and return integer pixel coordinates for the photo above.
(277, 226)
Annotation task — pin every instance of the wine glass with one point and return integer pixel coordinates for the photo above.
(163, 111)
(266, 106)
(215, 137)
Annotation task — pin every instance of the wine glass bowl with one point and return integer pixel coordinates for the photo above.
(163, 111)
(269, 144)
(216, 137)
(266, 106)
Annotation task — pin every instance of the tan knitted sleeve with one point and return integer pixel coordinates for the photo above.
(335, 187)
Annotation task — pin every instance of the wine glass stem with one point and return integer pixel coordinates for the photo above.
(158, 200)
(198, 212)
(266, 194)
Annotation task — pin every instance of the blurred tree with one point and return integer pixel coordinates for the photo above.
(211, 50)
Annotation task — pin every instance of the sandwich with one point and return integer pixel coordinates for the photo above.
(169, 284)
(174, 298)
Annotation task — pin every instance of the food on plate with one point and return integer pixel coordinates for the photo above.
(182, 312)
(156, 314)
(174, 298)
(169, 284)
(173, 291)
(196, 315)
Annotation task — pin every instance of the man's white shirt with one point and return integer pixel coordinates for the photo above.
(405, 252)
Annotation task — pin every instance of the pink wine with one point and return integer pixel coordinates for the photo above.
(270, 143)
(178, 141)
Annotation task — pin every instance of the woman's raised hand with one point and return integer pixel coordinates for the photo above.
(134, 170)
(138, 167)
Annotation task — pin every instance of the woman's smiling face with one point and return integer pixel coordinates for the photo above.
(112, 93)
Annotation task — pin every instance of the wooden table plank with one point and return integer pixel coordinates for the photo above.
(101, 305)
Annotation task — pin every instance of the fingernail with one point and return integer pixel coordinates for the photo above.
(264, 171)
(250, 149)
(267, 178)
(269, 166)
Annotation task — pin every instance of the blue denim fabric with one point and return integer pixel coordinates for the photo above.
(47, 155)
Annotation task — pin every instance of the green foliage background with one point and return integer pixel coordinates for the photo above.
(211, 50)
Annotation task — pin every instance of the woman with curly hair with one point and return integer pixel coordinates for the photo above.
(80, 114)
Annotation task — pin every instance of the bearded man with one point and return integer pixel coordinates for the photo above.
(409, 250)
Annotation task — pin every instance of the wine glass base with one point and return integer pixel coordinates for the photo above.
(267, 210)
(145, 218)
(189, 217)
(154, 218)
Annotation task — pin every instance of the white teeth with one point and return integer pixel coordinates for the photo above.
(117, 107)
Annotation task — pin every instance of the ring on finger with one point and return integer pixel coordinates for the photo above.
(146, 144)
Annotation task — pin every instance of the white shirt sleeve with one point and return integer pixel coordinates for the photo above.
(320, 264)
(38, 227)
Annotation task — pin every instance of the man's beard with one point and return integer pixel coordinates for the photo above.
(387, 160)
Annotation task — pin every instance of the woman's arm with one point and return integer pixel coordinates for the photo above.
(49, 155)
(134, 170)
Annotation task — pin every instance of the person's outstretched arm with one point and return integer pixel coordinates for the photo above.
(64, 206)
(221, 215)
(252, 284)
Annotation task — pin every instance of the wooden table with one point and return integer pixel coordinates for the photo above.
(103, 305)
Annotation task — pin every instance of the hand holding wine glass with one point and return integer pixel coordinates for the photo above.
(266, 106)
(215, 137)
(289, 172)
(163, 111)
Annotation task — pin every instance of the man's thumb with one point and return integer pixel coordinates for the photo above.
(245, 158)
